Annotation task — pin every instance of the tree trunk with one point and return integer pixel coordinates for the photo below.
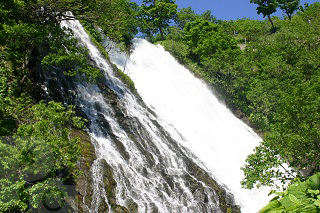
(273, 28)
(161, 33)
(288, 14)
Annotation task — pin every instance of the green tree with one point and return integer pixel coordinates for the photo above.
(48, 12)
(215, 42)
(250, 29)
(184, 16)
(117, 19)
(207, 15)
(194, 34)
(289, 6)
(156, 15)
(266, 7)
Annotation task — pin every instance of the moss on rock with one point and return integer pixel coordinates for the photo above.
(83, 180)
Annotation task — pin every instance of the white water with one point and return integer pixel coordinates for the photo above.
(209, 129)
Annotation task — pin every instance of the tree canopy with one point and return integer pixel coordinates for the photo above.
(266, 8)
(185, 15)
(289, 6)
(156, 16)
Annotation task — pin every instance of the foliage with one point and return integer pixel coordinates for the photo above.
(38, 154)
(289, 6)
(284, 98)
(250, 29)
(299, 197)
(156, 16)
(7, 90)
(185, 15)
(92, 30)
(266, 168)
(266, 7)
(310, 15)
(194, 33)
(216, 43)
(117, 19)
(70, 57)
(207, 15)
(177, 48)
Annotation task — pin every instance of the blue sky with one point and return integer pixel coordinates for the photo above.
(226, 9)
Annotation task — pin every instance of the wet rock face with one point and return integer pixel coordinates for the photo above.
(109, 183)
(226, 199)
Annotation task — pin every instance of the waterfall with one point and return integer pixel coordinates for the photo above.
(175, 149)
(209, 129)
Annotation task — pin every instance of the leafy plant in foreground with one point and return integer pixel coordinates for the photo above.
(301, 197)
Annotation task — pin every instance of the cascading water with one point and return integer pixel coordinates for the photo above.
(152, 156)
(209, 129)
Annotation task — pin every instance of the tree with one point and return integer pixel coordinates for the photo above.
(48, 12)
(289, 6)
(194, 34)
(250, 29)
(156, 15)
(266, 7)
(117, 19)
(184, 16)
(207, 15)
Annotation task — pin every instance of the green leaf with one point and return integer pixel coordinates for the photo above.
(289, 202)
(274, 207)
(314, 181)
(298, 190)
(313, 192)
(310, 208)
(293, 199)
(317, 203)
